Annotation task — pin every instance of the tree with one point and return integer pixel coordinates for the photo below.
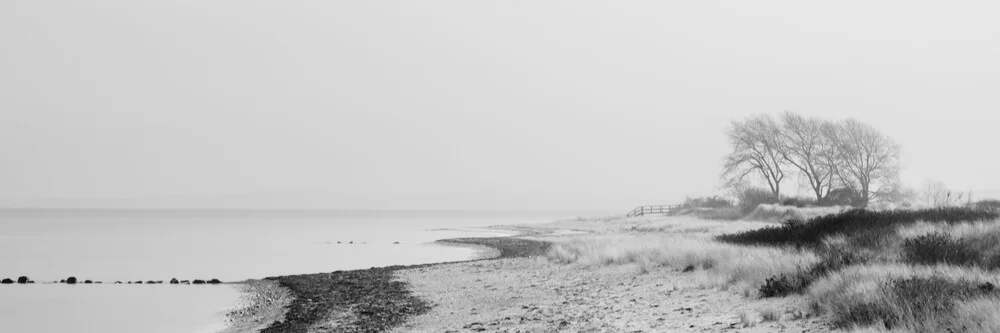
(806, 148)
(865, 160)
(937, 194)
(756, 151)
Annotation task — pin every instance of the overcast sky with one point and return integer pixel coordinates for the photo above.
(577, 105)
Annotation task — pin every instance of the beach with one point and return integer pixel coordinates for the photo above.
(523, 288)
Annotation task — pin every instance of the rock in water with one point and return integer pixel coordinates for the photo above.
(22, 280)
(71, 280)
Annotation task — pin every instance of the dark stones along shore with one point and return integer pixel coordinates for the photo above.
(73, 280)
(376, 302)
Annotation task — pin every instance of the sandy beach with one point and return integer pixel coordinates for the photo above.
(524, 289)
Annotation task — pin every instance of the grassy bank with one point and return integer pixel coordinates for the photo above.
(931, 270)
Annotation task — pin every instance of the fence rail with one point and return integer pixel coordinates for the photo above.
(658, 209)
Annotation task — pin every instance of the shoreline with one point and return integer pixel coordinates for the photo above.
(372, 300)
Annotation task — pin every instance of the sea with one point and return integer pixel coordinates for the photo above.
(230, 245)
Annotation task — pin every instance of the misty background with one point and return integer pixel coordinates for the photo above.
(524, 105)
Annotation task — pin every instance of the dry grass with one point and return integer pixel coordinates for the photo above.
(871, 295)
(722, 265)
(746, 319)
(770, 314)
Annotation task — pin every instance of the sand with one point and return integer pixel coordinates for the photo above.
(536, 295)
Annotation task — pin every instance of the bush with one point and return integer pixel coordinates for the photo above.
(783, 285)
(937, 248)
(857, 222)
(752, 197)
(842, 197)
(798, 202)
(786, 284)
(707, 202)
(988, 204)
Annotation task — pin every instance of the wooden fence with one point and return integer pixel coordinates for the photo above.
(658, 209)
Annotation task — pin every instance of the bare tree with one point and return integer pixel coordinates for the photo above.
(865, 159)
(756, 151)
(937, 194)
(806, 148)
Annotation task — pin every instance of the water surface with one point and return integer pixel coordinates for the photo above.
(124, 246)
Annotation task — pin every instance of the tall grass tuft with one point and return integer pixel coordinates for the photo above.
(913, 298)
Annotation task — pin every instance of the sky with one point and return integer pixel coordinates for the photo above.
(506, 105)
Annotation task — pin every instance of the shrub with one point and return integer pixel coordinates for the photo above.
(988, 204)
(842, 197)
(783, 285)
(937, 248)
(786, 284)
(799, 202)
(752, 197)
(904, 297)
(708, 202)
(858, 223)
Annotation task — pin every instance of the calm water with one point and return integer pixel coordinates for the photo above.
(229, 245)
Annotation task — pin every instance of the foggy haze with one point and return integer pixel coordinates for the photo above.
(531, 105)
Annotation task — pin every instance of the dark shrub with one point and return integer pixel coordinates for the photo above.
(71, 280)
(214, 281)
(783, 285)
(689, 268)
(861, 223)
(939, 248)
(842, 197)
(174, 281)
(22, 280)
(88, 281)
(798, 202)
(198, 282)
(6, 281)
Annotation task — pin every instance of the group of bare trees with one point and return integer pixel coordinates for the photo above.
(835, 158)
